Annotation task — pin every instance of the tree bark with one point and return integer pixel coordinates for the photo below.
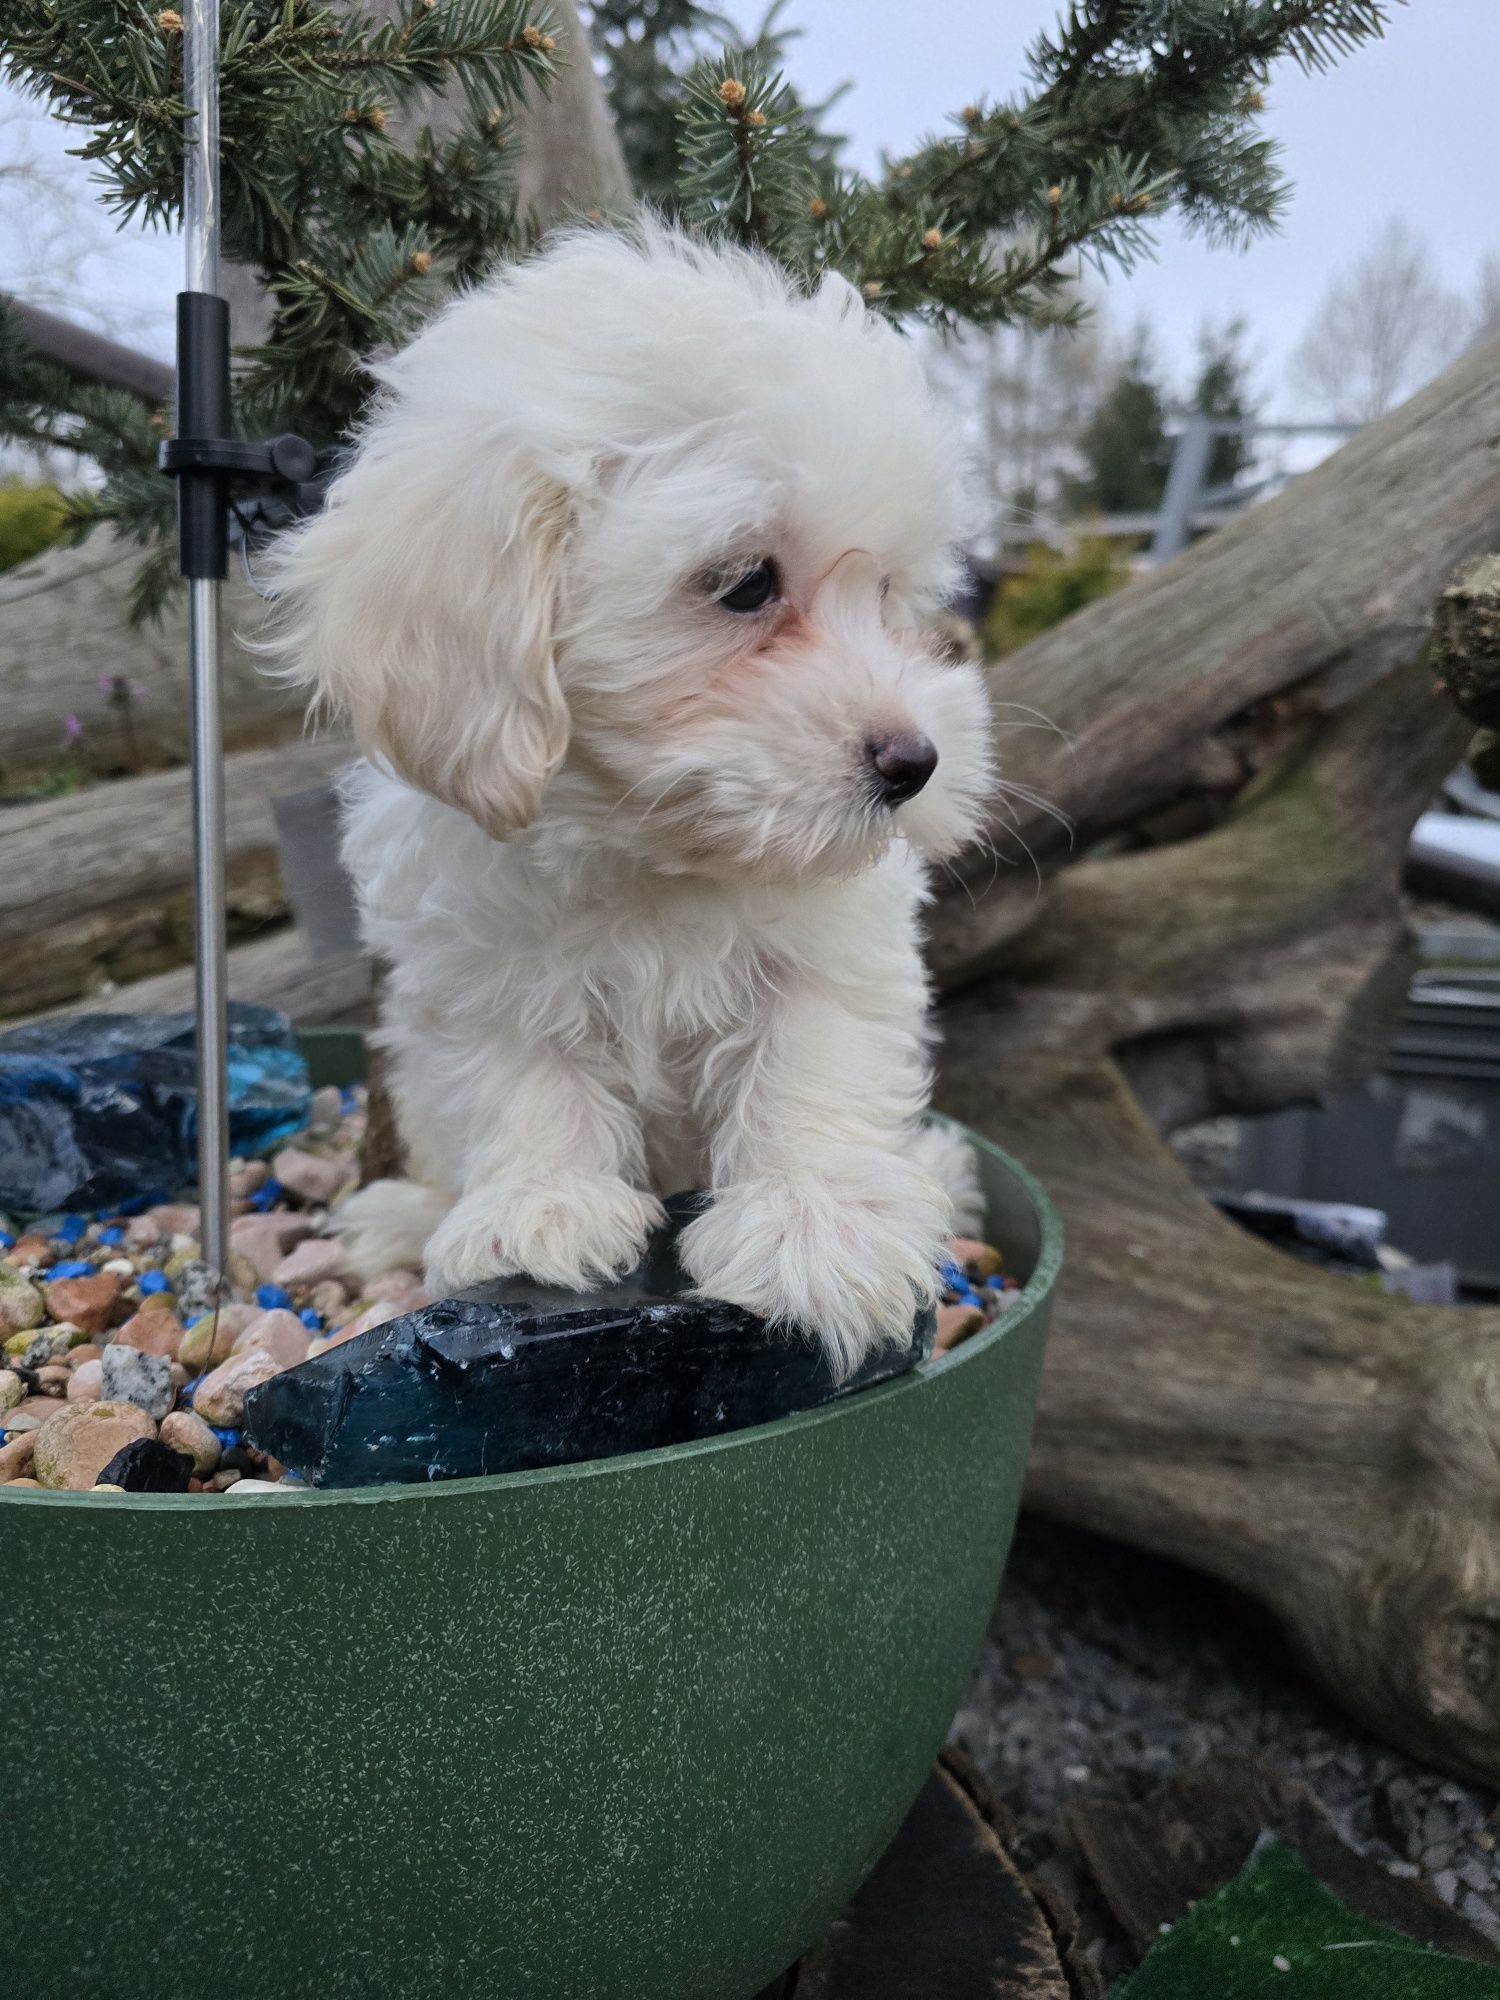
(1333, 1451)
(97, 888)
(1165, 699)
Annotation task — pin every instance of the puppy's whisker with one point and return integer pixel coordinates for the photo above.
(1038, 804)
(1040, 721)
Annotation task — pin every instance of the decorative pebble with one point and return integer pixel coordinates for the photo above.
(29, 1414)
(22, 1306)
(372, 1316)
(158, 1332)
(265, 1239)
(310, 1263)
(176, 1218)
(80, 1440)
(130, 1376)
(210, 1340)
(88, 1302)
(220, 1396)
(186, 1432)
(32, 1250)
(398, 1284)
(279, 1332)
(246, 1176)
(86, 1382)
(86, 1350)
(313, 1177)
(12, 1389)
(956, 1323)
(196, 1285)
(29, 1350)
(17, 1455)
(146, 1465)
(327, 1109)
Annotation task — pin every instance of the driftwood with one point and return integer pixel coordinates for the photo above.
(1255, 728)
(64, 635)
(96, 888)
(276, 970)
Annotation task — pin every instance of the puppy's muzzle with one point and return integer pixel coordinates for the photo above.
(900, 766)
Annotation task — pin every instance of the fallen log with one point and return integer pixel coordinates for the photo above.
(277, 970)
(1330, 1450)
(65, 637)
(1143, 717)
(96, 888)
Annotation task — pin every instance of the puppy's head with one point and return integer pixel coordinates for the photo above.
(638, 542)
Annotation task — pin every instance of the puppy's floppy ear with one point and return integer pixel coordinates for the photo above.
(420, 605)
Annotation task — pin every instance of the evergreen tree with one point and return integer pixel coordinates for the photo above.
(1124, 445)
(1129, 110)
(1223, 390)
(649, 49)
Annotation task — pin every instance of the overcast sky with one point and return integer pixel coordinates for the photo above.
(1405, 127)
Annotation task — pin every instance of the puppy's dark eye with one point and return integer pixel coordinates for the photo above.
(755, 590)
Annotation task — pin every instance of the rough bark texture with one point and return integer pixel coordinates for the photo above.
(63, 631)
(1166, 698)
(275, 971)
(97, 888)
(1330, 1450)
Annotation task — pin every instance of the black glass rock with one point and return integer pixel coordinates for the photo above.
(97, 1108)
(516, 1375)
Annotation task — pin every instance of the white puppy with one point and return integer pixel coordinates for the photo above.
(621, 594)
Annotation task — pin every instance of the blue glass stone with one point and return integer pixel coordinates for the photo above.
(228, 1436)
(189, 1387)
(272, 1296)
(70, 1229)
(113, 1235)
(155, 1281)
(954, 1279)
(95, 1107)
(6, 1239)
(311, 1317)
(71, 1267)
(266, 1196)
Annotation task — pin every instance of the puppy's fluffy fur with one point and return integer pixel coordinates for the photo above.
(648, 923)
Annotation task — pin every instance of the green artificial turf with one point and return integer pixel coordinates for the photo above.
(1275, 1933)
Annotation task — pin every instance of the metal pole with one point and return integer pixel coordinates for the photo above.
(200, 208)
(1186, 477)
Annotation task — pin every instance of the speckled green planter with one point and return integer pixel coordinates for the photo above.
(633, 1729)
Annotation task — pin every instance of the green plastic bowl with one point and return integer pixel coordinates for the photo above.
(628, 1730)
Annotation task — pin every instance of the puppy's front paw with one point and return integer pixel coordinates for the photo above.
(848, 1257)
(571, 1229)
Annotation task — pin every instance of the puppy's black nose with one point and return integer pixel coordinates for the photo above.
(901, 766)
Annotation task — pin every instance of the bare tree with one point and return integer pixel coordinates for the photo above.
(1386, 325)
(58, 247)
(1021, 395)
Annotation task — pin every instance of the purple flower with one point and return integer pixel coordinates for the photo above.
(72, 729)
